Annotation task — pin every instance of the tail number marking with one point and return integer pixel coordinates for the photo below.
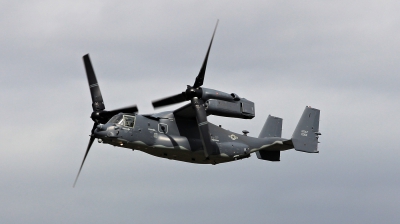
(304, 133)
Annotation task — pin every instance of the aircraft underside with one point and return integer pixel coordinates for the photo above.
(178, 153)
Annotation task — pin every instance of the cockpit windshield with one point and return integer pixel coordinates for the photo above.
(116, 119)
(122, 119)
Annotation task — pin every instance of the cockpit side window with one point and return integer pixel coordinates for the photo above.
(129, 121)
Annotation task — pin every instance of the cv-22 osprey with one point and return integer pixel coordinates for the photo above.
(185, 134)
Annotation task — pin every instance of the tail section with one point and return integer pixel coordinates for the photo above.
(305, 136)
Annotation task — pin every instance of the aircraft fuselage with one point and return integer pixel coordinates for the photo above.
(164, 136)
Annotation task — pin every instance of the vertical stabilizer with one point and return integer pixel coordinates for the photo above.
(272, 127)
(305, 136)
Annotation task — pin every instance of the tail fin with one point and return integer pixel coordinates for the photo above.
(305, 136)
(272, 127)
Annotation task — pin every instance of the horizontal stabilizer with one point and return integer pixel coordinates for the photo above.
(305, 136)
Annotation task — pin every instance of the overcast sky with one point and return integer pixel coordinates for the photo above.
(341, 57)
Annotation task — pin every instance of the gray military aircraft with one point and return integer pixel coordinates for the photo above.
(185, 134)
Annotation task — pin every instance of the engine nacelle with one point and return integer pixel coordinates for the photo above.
(207, 94)
(239, 109)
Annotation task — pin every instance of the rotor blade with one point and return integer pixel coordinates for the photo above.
(178, 98)
(104, 116)
(200, 78)
(201, 117)
(129, 109)
(97, 99)
(91, 140)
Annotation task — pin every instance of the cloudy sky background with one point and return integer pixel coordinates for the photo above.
(339, 56)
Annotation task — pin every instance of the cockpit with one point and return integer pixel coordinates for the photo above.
(123, 119)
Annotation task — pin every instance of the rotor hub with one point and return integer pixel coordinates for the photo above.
(96, 116)
(193, 92)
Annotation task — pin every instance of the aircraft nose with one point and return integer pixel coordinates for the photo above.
(101, 127)
(98, 133)
(105, 130)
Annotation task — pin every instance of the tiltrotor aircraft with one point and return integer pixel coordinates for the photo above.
(185, 134)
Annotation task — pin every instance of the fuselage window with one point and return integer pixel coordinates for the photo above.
(129, 121)
(163, 128)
